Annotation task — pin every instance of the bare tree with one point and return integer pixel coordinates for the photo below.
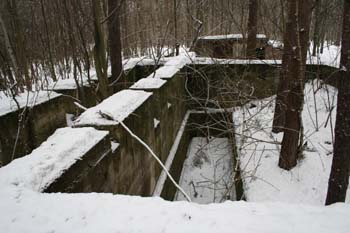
(114, 41)
(252, 28)
(339, 177)
(294, 62)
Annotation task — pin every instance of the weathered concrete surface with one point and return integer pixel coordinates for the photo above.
(37, 124)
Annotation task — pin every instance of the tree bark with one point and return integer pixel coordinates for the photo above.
(282, 92)
(252, 29)
(339, 177)
(100, 51)
(300, 15)
(115, 49)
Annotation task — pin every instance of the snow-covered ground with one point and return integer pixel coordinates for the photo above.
(259, 150)
(207, 171)
(330, 55)
(27, 211)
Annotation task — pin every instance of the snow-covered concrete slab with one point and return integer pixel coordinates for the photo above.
(259, 149)
(48, 162)
(130, 63)
(148, 83)
(212, 61)
(229, 36)
(119, 106)
(173, 66)
(29, 99)
(67, 84)
(207, 171)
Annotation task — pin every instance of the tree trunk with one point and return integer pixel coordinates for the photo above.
(339, 177)
(115, 48)
(282, 92)
(252, 29)
(100, 51)
(316, 35)
(300, 16)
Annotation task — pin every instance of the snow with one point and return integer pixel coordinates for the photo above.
(173, 66)
(155, 122)
(211, 61)
(207, 171)
(114, 146)
(229, 36)
(29, 99)
(148, 83)
(276, 44)
(330, 56)
(26, 211)
(130, 63)
(67, 84)
(259, 150)
(119, 106)
(46, 163)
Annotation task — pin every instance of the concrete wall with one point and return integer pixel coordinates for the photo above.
(130, 169)
(38, 123)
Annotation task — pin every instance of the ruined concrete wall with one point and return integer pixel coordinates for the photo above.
(37, 124)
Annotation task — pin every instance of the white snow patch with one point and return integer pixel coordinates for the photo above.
(114, 146)
(207, 171)
(259, 150)
(229, 36)
(69, 119)
(148, 83)
(29, 99)
(155, 122)
(46, 163)
(119, 106)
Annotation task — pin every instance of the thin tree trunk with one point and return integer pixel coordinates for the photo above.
(282, 92)
(252, 28)
(316, 35)
(100, 50)
(52, 67)
(339, 177)
(300, 15)
(9, 46)
(115, 48)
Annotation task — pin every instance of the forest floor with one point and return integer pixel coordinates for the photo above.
(259, 149)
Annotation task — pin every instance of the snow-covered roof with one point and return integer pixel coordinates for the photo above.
(229, 36)
(67, 84)
(148, 83)
(46, 163)
(119, 106)
(30, 99)
(173, 66)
